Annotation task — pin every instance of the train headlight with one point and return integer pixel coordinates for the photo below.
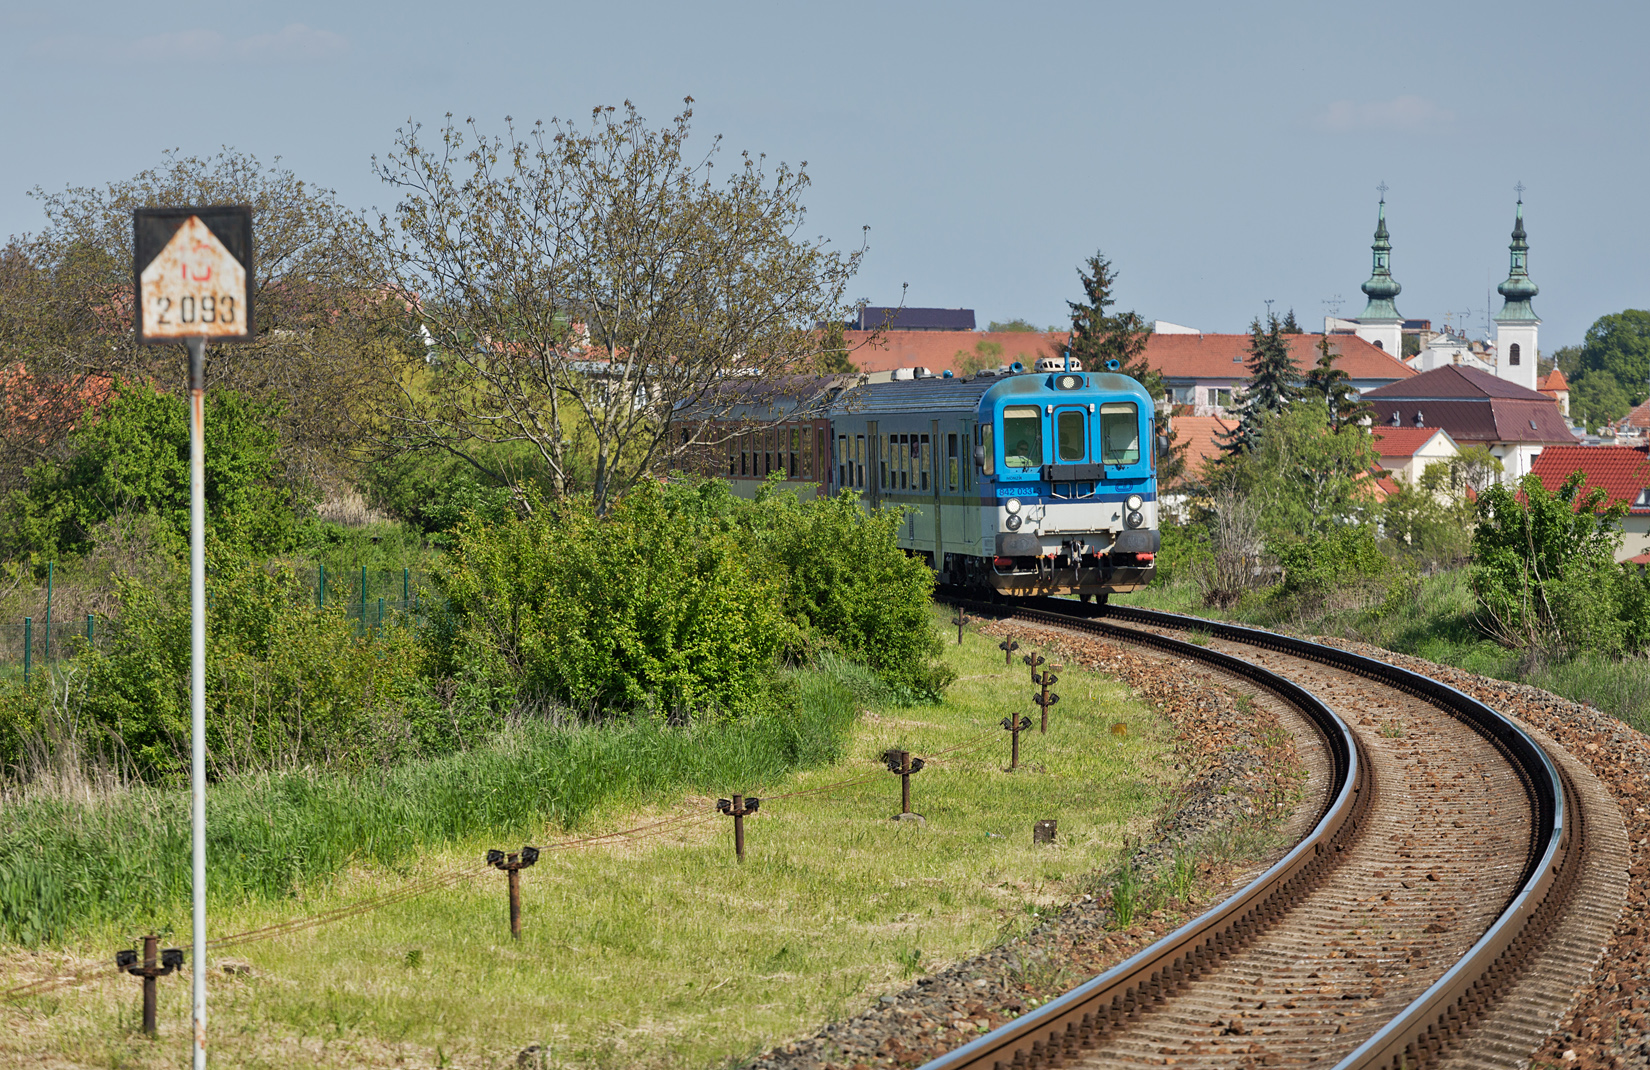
(1012, 505)
(1012, 523)
(1067, 382)
(1134, 520)
(1134, 502)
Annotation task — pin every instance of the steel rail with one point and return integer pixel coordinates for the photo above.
(1061, 1028)
(1432, 1023)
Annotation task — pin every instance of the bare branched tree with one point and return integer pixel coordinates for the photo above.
(595, 286)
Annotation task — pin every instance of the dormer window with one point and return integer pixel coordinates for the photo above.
(1643, 499)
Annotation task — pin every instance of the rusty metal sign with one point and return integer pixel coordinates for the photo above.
(193, 270)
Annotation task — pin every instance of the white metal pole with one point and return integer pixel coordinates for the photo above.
(197, 674)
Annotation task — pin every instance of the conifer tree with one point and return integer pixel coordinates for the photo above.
(1271, 386)
(1289, 324)
(1098, 336)
(1334, 387)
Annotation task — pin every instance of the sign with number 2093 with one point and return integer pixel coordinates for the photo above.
(193, 269)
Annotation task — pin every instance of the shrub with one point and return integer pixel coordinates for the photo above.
(1333, 566)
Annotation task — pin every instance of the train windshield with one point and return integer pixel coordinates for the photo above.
(1069, 431)
(1023, 436)
(1119, 433)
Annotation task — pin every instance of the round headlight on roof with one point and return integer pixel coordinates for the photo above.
(1134, 502)
(1068, 382)
(1012, 505)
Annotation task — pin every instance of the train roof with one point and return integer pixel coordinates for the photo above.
(953, 395)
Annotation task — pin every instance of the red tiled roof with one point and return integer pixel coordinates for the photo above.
(938, 350)
(1473, 406)
(1641, 559)
(1554, 381)
(1202, 436)
(1621, 471)
(1404, 441)
(1224, 356)
(1385, 487)
(1639, 417)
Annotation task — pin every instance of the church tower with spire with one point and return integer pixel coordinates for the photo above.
(1516, 323)
(1381, 325)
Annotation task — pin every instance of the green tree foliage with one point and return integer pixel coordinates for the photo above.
(1271, 386)
(678, 600)
(1598, 398)
(1290, 326)
(1545, 574)
(133, 459)
(985, 355)
(1329, 384)
(434, 492)
(1307, 477)
(1016, 325)
(833, 352)
(1619, 345)
(1329, 565)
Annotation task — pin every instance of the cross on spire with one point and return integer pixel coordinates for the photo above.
(1519, 189)
(1383, 187)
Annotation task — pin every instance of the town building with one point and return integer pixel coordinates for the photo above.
(1406, 451)
(1477, 409)
(1207, 372)
(1624, 475)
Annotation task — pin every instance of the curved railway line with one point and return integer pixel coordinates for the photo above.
(1459, 884)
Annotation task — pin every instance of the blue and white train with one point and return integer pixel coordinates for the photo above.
(1022, 481)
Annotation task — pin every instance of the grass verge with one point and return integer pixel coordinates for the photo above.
(663, 951)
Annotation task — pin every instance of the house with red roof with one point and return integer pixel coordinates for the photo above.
(941, 350)
(1208, 371)
(1204, 438)
(1556, 387)
(1477, 409)
(1622, 472)
(1406, 451)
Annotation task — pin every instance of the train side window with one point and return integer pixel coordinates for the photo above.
(843, 460)
(744, 454)
(859, 461)
(1069, 432)
(988, 448)
(819, 452)
(807, 454)
(951, 460)
(1023, 436)
(1119, 432)
(903, 455)
(796, 446)
(926, 461)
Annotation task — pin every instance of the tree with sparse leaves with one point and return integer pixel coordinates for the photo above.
(594, 283)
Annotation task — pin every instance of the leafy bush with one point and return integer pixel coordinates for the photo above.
(435, 492)
(1332, 566)
(132, 458)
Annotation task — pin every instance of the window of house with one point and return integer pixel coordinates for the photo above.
(1022, 436)
(1119, 432)
(1219, 398)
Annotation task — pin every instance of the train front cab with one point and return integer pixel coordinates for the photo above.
(1068, 487)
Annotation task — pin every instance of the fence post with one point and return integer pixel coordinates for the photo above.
(320, 586)
(51, 566)
(28, 647)
(170, 959)
(363, 600)
(1014, 726)
(739, 808)
(513, 864)
(406, 576)
(380, 614)
(901, 762)
(88, 629)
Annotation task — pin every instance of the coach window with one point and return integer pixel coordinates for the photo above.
(1023, 436)
(1119, 433)
(843, 460)
(796, 446)
(1068, 429)
(927, 461)
(951, 460)
(988, 448)
(857, 468)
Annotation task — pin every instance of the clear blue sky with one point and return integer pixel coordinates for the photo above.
(1220, 154)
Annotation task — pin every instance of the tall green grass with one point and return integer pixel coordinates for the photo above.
(68, 863)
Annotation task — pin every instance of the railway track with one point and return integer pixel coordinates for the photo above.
(1458, 885)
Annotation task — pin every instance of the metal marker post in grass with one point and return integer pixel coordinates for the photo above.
(901, 762)
(513, 864)
(1008, 646)
(192, 274)
(1047, 698)
(739, 808)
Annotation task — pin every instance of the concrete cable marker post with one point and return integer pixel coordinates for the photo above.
(901, 762)
(170, 959)
(739, 808)
(513, 864)
(192, 272)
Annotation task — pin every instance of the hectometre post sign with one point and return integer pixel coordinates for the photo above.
(193, 270)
